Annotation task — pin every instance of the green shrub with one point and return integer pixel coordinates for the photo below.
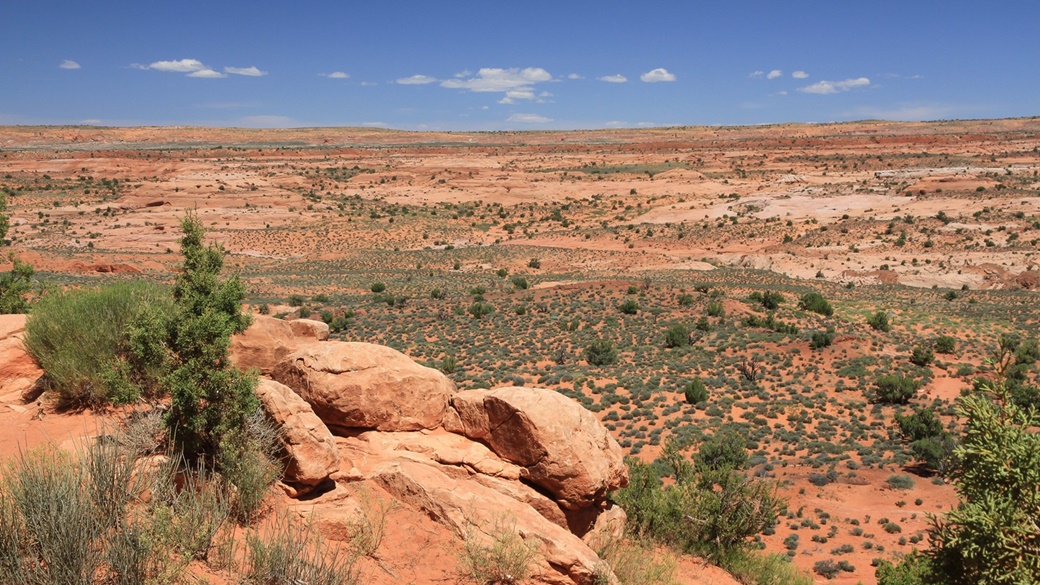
(211, 399)
(725, 450)
(815, 302)
(519, 282)
(250, 466)
(377, 287)
(756, 568)
(770, 300)
(629, 307)
(290, 553)
(991, 535)
(695, 392)
(921, 356)
(715, 309)
(945, 344)
(600, 352)
(895, 389)
(480, 309)
(821, 339)
(635, 562)
(502, 556)
(678, 335)
(104, 345)
(826, 569)
(879, 322)
(923, 423)
(914, 569)
(901, 482)
(14, 286)
(712, 513)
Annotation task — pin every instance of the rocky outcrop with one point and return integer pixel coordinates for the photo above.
(18, 370)
(309, 329)
(474, 511)
(364, 386)
(525, 460)
(562, 446)
(268, 341)
(310, 451)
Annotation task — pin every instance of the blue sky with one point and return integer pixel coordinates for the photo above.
(492, 65)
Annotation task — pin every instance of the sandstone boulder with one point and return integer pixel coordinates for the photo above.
(363, 386)
(18, 370)
(310, 449)
(310, 329)
(474, 511)
(268, 341)
(562, 446)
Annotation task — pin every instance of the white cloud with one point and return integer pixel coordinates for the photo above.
(528, 119)
(207, 74)
(463, 73)
(574, 76)
(832, 87)
(374, 124)
(799, 75)
(416, 80)
(756, 74)
(335, 75)
(90, 121)
(493, 79)
(517, 94)
(656, 75)
(614, 78)
(182, 66)
(69, 64)
(368, 84)
(247, 71)
(774, 74)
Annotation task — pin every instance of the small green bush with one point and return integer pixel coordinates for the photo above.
(678, 335)
(104, 345)
(770, 300)
(480, 309)
(629, 307)
(895, 389)
(815, 302)
(290, 553)
(821, 339)
(695, 392)
(502, 557)
(377, 287)
(600, 352)
(715, 309)
(945, 344)
(901, 482)
(921, 356)
(879, 322)
(15, 285)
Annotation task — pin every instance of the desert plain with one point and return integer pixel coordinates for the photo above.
(499, 257)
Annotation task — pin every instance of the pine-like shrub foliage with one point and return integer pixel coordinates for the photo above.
(211, 400)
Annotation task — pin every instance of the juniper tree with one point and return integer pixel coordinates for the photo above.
(211, 400)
